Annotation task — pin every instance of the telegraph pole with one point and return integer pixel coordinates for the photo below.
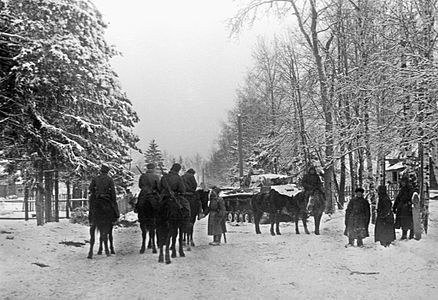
(239, 126)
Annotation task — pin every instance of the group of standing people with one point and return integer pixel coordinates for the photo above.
(357, 215)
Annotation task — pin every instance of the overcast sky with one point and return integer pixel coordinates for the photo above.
(179, 67)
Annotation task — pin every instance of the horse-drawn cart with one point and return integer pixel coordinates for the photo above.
(238, 204)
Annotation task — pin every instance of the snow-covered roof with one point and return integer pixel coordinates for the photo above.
(397, 166)
(287, 189)
(268, 176)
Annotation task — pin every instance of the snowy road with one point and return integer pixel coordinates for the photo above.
(248, 267)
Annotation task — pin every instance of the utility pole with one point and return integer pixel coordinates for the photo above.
(239, 135)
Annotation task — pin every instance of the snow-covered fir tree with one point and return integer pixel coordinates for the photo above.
(68, 105)
(153, 155)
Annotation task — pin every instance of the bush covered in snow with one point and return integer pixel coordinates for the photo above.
(79, 215)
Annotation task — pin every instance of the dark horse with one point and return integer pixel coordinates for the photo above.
(197, 202)
(273, 203)
(101, 219)
(315, 206)
(147, 208)
(171, 219)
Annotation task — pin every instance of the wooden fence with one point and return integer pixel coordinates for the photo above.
(15, 209)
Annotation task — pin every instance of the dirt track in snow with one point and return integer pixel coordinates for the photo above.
(249, 266)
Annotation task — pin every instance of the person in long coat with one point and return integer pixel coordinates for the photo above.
(103, 194)
(357, 218)
(216, 217)
(403, 209)
(384, 231)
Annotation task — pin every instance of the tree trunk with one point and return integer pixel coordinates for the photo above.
(39, 197)
(48, 180)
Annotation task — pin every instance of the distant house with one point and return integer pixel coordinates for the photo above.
(395, 165)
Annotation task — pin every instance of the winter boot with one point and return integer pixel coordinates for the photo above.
(411, 234)
(404, 234)
(359, 243)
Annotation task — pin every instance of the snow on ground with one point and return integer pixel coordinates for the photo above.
(249, 266)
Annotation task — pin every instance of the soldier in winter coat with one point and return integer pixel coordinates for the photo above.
(216, 217)
(103, 194)
(384, 231)
(357, 218)
(149, 196)
(311, 182)
(191, 185)
(403, 209)
(172, 185)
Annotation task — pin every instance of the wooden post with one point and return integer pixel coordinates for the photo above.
(67, 205)
(56, 182)
(26, 200)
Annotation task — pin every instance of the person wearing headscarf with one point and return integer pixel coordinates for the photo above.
(384, 231)
(357, 218)
(403, 209)
(216, 216)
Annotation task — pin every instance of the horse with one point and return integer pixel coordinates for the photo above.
(200, 197)
(101, 220)
(315, 206)
(147, 206)
(170, 221)
(273, 203)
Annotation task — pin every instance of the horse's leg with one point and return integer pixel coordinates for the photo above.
(317, 218)
(173, 233)
(189, 235)
(104, 238)
(297, 218)
(167, 254)
(304, 218)
(110, 237)
(161, 255)
(257, 217)
(99, 251)
(152, 239)
(92, 237)
(143, 236)
(180, 241)
(272, 220)
(277, 222)
(160, 244)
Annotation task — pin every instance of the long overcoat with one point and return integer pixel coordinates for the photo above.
(216, 215)
(357, 218)
(403, 208)
(103, 195)
(384, 231)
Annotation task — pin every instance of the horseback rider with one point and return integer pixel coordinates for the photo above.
(149, 184)
(191, 185)
(102, 190)
(311, 182)
(172, 185)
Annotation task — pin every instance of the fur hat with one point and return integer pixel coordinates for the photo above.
(104, 169)
(359, 190)
(381, 189)
(191, 171)
(176, 167)
(150, 166)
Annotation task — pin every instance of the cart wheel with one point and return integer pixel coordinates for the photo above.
(247, 218)
(242, 217)
(230, 217)
(236, 217)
